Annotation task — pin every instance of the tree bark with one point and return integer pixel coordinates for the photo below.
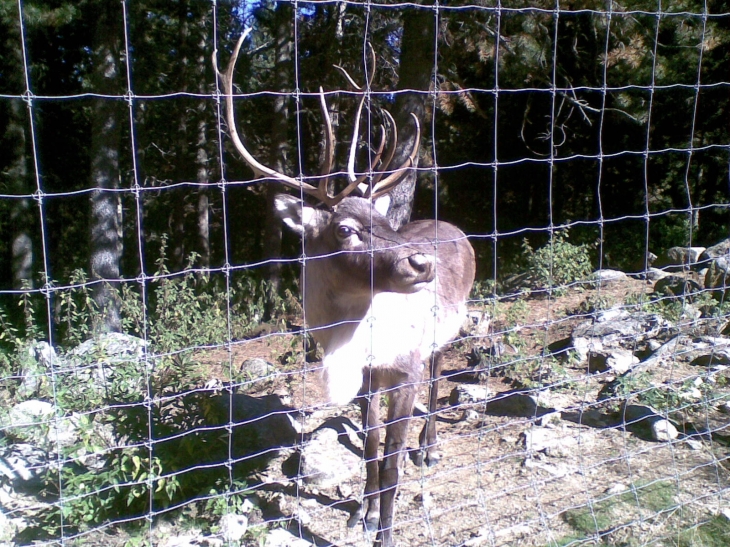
(202, 158)
(105, 141)
(21, 216)
(280, 149)
(414, 72)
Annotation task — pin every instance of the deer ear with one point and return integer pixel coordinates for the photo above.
(299, 216)
(382, 204)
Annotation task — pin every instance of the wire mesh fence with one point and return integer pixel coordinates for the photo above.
(167, 376)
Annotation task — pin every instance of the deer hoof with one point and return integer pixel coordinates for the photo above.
(433, 458)
(369, 523)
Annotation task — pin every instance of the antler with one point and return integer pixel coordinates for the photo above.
(377, 188)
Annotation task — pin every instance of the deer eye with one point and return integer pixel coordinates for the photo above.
(343, 232)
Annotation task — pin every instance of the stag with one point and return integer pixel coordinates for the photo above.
(381, 302)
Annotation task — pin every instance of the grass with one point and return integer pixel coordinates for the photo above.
(626, 515)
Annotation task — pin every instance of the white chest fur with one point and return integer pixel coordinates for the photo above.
(394, 325)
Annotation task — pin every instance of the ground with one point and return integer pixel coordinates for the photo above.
(597, 482)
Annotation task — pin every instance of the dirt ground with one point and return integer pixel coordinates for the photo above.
(597, 483)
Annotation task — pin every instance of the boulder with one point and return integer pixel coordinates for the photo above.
(327, 458)
(605, 276)
(465, 394)
(718, 276)
(679, 258)
(675, 285)
(617, 361)
(646, 419)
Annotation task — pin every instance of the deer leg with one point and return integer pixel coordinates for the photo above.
(400, 409)
(369, 513)
(428, 437)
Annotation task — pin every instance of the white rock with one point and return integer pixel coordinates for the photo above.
(233, 527)
(30, 412)
(191, 539)
(694, 444)
(470, 415)
(325, 462)
(539, 439)
(617, 488)
(663, 430)
(7, 530)
(283, 538)
(608, 276)
(469, 393)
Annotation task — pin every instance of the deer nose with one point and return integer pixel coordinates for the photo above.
(423, 264)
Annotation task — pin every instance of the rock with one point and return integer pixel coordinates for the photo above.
(549, 441)
(654, 274)
(465, 394)
(8, 529)
(31, 421)
(615, 328)
(192, 538)
(257, 368)
(550, 419)
(618, 488)
(23, 465)
(279, 537)
(675, 285)
(716, 251)
(604, 277)
(663, 430)
(115, 345)
(678, 258)
(710, 351)
(694, 444)
(643, 416)
(259, 423)
(470, 415)
(617, 361)
(513, 404)
(616, 313)
(477, 323)
(585, 346)
(233, 527)
(718, 276)
(42, 359)
(110, 365)
(326, 460)
(29, 413)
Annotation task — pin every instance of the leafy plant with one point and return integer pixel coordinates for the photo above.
(558, 263)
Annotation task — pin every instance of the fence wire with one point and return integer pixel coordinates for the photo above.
(161, 383)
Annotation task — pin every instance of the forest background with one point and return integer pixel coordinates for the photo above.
(608, 118)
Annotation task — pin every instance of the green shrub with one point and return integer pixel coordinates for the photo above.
(558, 263)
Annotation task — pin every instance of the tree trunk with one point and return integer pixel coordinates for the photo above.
(280, 148)
(21, 216)
(414, 72)
(202, 158)
(105, 141)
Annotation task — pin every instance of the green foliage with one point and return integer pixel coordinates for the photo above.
(712, 533)
(224, 498)
(125, 484)
(668, 397)
(558, 263)
(606, 514)
(131, 397)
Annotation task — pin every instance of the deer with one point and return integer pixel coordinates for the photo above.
(382, 303)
